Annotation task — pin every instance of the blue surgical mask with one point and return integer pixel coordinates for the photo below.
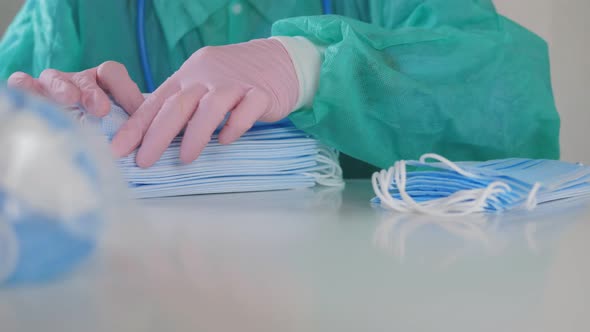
(36, 247)
(445, 188)
(270, 156)
(51, 191)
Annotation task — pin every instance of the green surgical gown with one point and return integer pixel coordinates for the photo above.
(399, 78)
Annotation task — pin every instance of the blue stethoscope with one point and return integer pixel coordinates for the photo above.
(143, 53)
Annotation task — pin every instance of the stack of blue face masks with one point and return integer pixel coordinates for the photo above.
(445, 188)
(273, 156)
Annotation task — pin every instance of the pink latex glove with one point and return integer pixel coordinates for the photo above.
(255, 81)
(89, 87)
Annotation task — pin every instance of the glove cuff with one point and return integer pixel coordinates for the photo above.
(307, 60)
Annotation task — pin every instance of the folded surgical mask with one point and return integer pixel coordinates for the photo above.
(52, 190)
(444, 188)
(270, 156)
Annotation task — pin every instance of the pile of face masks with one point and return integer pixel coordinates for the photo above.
(268, 157)
(445, 188)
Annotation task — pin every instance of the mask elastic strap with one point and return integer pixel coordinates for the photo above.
(472, 204)
(459, 204)
(531, 201)
(448, 163)
(328, 171)
(382, 182)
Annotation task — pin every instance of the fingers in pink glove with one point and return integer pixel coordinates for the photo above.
(211, 111)
(92, 97)
(132, 132)
(168, 123)
(25, 81)
(58, 87)
(89, 87)
(114, 78)
(244, 116)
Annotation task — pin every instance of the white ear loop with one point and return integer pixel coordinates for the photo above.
(460, 203)
(328, 171)
(531, 201)
(448, 163)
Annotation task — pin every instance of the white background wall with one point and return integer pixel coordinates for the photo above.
(565, 24)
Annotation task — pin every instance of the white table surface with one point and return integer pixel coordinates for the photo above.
(318, 260)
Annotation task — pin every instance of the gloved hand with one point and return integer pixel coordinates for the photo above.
(255, 81)
(89, 87)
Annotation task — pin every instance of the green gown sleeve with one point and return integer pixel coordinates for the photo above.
(446, 76)
(43, 35)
